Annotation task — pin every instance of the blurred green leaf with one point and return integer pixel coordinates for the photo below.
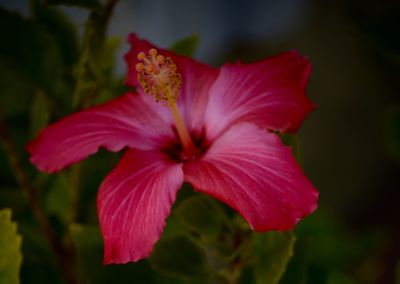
(38, 264)
(58, 199)
(89, 246)
(14, 97)
(273, 251)
(332, 246)
(92, 173)
(87, 4)
(10, 249)
(108, 87)
(247, 276)
(60, 27)
(29, 62)
(13, 198)
(337, 277)
(96, 63)
(181, 257)
(201, 214)
(173, 227)
(294, 142)
(186, 46)
(33, 55)
(40, 113)
(324, 245)
(397, 276)
(38, 261)
(297, 267)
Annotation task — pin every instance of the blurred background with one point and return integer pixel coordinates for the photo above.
(350, 145)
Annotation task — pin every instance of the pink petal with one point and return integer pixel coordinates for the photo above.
(253, 172)
(269, 93)
(133, 203)
(197, 79)
(125, 121)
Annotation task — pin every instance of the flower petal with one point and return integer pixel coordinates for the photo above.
(253, 172)
(125, 121)
(269, 93)
(133, 203)
(197, 79)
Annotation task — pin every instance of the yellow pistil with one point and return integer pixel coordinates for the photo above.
(159, 78)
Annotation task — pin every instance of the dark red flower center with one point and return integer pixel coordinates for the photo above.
(181, 154)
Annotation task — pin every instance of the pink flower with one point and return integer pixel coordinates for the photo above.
(213, 129)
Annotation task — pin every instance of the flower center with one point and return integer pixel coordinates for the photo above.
(159, 78)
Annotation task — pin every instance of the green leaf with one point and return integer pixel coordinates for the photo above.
(294, 142)
(89, 246)
(60, 27)
(30, 60)
(181, 257)
(107, 87)
(202, 215)
(297, 268)
(58, 199)
(40, 113)
(86, 4)
(273, 251)
(96, 64)
(247, 276)
(10, 249)
(330, 242)
(337, 277)
(186, 46)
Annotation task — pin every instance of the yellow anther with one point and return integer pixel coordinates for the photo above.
(149, 69)
(139, 67)
(160, 59)
(153, 52)
(141, 56)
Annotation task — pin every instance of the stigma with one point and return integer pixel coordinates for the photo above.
(158, 76)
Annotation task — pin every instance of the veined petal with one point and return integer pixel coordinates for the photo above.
(269, 93)
(197, 79)
(133, 203)
(124, 121)
(253, 172)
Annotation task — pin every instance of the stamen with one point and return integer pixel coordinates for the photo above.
(149, 69)
(160, 59)
(139, 67)
(141, 56)
(153, 52)
(159, 78)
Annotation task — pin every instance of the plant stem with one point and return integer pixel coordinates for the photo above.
(64, 256)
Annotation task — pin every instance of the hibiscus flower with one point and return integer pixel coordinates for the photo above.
(189, 122)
